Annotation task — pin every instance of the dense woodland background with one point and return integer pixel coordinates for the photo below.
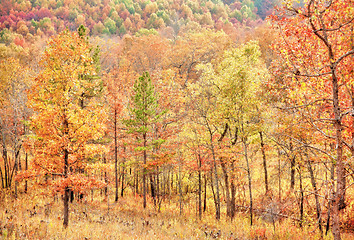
(175, 119)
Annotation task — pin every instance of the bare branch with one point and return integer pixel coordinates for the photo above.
(312, 147)
(335, 29)
(322, 132)
(342, 57)
(305, 105)
(311, 75)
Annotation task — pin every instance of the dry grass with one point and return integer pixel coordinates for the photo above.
(40, 217)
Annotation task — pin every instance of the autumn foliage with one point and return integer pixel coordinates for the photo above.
(177, 119)
(69, 118)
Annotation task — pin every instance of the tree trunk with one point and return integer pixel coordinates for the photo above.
(17, 160)
(249, 179)
(115, 154)
(6, 170)
(227, 189)
(158, 191)
(205, 192)
(301, 199)
(26, 168)
(144, 171)
(212, 189)
(339, 161)
(152, 187)
(123, 175)
(17, 150)
(66, 191)
(264, 163)
(199, 187)
(279, 177)
(66, 207)
(66, 173)
(330, 201)
(318, 207)
(216, 178)
(292, 168)
(2, 178)
(233, 193)
(105, 178)
(170, 186)
(180, 187)
(217, 193)
(292, 173)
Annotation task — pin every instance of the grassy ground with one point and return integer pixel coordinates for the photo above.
(40, 217)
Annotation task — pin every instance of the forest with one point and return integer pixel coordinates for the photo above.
(177, 119)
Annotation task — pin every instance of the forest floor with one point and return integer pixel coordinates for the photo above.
(40, 217)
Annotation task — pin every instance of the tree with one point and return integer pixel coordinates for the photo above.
(236, 85)
(143, 114)
(316, 44)
(202, 105)
(118, 82)
(194, 48)
(14, 80)
(166, 131)
(145, 53)
(64, 131)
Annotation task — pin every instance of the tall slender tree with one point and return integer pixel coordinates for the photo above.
(235, 84)
(63, 130)
(316, 44)
(143, 114)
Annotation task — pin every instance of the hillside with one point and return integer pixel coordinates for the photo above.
(42, 17)
(176, 120)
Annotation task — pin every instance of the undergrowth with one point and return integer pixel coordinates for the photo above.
(40, 217)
